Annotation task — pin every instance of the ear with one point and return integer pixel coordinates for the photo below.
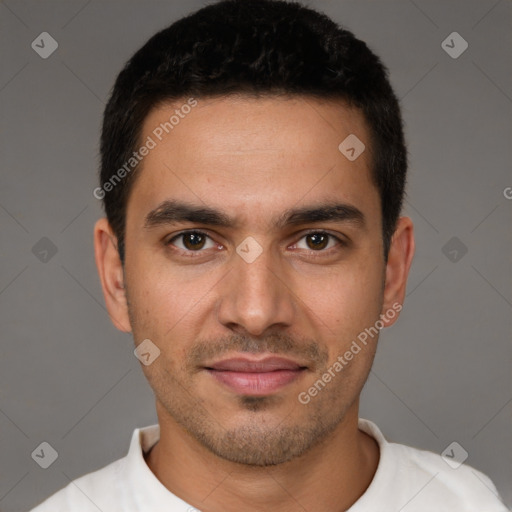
(401, 252)
(111, 274)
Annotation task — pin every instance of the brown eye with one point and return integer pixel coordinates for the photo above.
(192, 241)
(317, 241)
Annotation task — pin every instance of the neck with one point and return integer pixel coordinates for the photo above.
(330, 476)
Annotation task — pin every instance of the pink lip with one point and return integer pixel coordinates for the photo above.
(243, 364)
(255, 377)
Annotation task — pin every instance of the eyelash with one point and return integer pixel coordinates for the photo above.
(190, 253)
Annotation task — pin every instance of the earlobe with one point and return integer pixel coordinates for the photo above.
(111, 273)
(400, 256)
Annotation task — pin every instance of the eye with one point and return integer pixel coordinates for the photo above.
(318, 241)
(191, 241)
(197, 241)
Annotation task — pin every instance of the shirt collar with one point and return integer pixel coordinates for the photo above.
(147, 493)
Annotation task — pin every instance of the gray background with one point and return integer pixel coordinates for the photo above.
(67, 377)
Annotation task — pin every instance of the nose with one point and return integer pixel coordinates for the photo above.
(255, 296)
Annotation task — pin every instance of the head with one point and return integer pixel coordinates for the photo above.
(230, 125)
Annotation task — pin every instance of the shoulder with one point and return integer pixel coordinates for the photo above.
(90, 492)
(111, 487)
(421, 480)
(458, 485)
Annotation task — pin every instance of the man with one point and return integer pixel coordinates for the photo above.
(253, 168)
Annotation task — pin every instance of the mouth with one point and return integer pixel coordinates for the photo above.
(255, 377)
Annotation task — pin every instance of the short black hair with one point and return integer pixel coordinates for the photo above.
(258, 48)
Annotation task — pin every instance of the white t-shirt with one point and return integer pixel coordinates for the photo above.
(406, 480)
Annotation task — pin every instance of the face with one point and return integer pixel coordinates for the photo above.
(254, 260)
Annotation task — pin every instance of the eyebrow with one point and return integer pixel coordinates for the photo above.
(174, 211)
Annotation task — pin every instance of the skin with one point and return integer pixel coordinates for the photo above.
(253, 159)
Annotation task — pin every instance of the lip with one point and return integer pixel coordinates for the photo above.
(255, 377)
(248, 365)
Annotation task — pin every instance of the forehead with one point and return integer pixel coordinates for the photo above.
(248, 155)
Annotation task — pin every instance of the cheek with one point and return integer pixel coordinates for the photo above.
(151, 303)
(345, 300)
(158, 296)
